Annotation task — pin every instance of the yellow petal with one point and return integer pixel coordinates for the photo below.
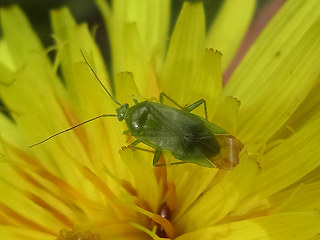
(290, 161)
(302, 198)
(295, 225)
(278, 71)
(71, 40)
(227, 115)
(126, 88)
(13, 233)
(183, 176)
(208, 83)
(12, 19)
(229, 28)
(184, 54)
(306, 111)
(138, 35)
(88, 96)
(218, 201)
(30, 95)
(140, 162)
(151, 17)
(6, 57)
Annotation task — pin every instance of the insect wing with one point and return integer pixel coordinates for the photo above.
(230, 147)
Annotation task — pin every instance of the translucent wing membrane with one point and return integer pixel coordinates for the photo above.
(230, 147)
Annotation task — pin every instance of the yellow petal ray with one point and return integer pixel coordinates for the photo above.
(23, 221)
(227, 115)
(89, 98)
(208, 83)
(32, 183)
(135, 60)
(281, 68)
(121, 231)
(146, 230)
(126, 88)
(184, 175)
(61, 184)
(81, 86)
(9, 131)
(312, 177)
(13, 233)
(294, 225)
(317, 237)
(13, 18)
(185, 52)
(140, 162)
(138, 35)
(152, 18)
(305, 198)
(74, 204)
(218, 201)
(306, 111)
(6, 57)
(56, 213)
(31, 92)
(160, 220)
(226, 32)
(290, 161)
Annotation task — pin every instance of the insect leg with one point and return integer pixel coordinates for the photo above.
(135, 143)
(174, 163)
(156, 157)
(135, 101)
(143, 149)
(126, 132)
(162, 94)
(196, 104)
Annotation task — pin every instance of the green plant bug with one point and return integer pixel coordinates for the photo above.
(189, 137)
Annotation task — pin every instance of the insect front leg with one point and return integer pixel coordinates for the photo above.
(162, 95)
(196, 104)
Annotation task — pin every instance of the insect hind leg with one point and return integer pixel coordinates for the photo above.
(162, 95)
(189, 108)
(157, 154)
(196, 104)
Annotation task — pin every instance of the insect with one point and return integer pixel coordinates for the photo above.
(189, 137)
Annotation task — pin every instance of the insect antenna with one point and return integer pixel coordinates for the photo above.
(96, 76)
(66, 130)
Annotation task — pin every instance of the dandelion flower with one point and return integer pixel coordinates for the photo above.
(84, 185)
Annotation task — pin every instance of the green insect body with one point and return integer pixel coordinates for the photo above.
(189, 137)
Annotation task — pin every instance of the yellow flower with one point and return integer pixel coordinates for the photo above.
(78, 186)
